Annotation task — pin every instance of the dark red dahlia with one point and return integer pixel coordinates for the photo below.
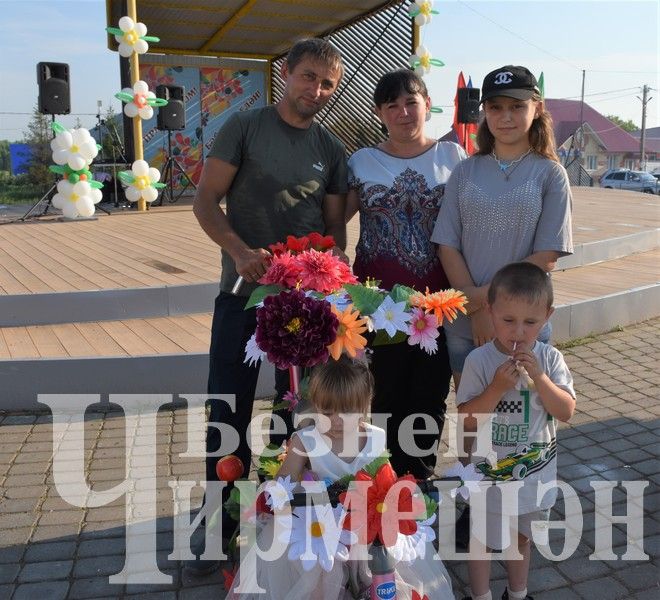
(295, 330)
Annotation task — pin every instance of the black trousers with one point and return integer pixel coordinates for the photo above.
(409, 381)
(228, 374)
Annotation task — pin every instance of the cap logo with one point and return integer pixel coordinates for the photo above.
(503, 77)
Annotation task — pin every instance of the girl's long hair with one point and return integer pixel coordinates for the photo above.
(541, 135)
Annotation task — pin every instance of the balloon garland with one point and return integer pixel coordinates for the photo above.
(142, 181)
(422, 61)
(73, 152)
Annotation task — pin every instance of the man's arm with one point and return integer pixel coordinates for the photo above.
(217, 177)
(334, 215)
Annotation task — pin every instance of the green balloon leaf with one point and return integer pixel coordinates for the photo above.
(59, 169)
(114, 30)
(126, 177)
(156, 102)
(262, 292)
(436, 109)
(437, 62)
(97, 185)
(158, 185)
(150, 38)
(124, 96)
(57, 128)
(365, 299)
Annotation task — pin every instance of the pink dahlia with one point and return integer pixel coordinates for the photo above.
(323, 272)
(283, 270)
(295, 330)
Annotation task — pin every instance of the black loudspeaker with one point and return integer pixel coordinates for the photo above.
(468, 105)
(53, 81)
(172, 116)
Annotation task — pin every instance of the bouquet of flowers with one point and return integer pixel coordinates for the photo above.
(310, 307)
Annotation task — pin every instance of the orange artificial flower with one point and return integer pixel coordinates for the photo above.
(351, 325)
(444, 304)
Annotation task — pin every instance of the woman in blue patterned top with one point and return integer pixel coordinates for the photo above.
(397, 188)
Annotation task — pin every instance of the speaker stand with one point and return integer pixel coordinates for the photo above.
(48, 196)
(172, 165)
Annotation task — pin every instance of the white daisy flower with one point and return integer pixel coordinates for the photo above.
(391, 316)
(142, 186)
(279, 491)
(469, 479)
(139, 105)
(317, 536)
(253, 354)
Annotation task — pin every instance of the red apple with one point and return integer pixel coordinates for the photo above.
(229, 468)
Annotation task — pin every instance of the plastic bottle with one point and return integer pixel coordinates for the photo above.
(381, 564)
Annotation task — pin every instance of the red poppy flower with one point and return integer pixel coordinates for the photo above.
(381, 519)
(296, 245)
(320, 242)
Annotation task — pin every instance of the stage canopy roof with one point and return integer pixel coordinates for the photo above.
(258, 29)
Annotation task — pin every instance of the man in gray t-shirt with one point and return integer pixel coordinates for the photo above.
(281, 174)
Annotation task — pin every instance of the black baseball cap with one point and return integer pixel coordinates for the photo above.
(511, 81)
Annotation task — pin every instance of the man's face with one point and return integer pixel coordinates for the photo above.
(309, 86)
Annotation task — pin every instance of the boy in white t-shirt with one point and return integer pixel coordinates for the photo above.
(526, 385)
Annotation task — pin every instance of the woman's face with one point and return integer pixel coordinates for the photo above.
(405, 116)
(509, 120)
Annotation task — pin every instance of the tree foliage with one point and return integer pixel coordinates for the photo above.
(38, 136)
(625, 125)
(4, 156)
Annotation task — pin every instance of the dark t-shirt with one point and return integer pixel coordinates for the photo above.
(284, 174)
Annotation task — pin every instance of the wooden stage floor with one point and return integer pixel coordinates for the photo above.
(166, 246)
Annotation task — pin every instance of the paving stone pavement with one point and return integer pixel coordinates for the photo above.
(50, 549)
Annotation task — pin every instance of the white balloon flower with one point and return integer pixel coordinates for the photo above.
(76, 199)
(139, 105)
(76, 148)
(142, 186)
(130, 40)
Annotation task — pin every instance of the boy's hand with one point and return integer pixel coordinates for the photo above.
(506, 377)
(527, 359)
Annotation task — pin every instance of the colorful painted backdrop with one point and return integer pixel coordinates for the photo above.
(211, 95)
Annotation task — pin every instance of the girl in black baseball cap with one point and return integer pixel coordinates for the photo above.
(509, 202)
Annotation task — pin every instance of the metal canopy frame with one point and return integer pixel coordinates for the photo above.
(373, 36)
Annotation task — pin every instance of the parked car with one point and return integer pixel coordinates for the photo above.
(625, 179)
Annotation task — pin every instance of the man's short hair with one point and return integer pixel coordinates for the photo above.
(522, 280)
(317, 49)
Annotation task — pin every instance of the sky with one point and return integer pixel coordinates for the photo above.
(615, 42)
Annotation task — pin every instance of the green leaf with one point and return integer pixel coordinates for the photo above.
(57, 128)
(157, 102)
(430, 506)
(401, 293)
(150, 38)
(114, 30)
(383, 339)
(377, 463)
(97, 185)
(158, 185)
(262, 292)
(59, 169)
(365, 299)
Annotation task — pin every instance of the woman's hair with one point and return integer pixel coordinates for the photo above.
(394, 83)
(541, 135)
(344, 386)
